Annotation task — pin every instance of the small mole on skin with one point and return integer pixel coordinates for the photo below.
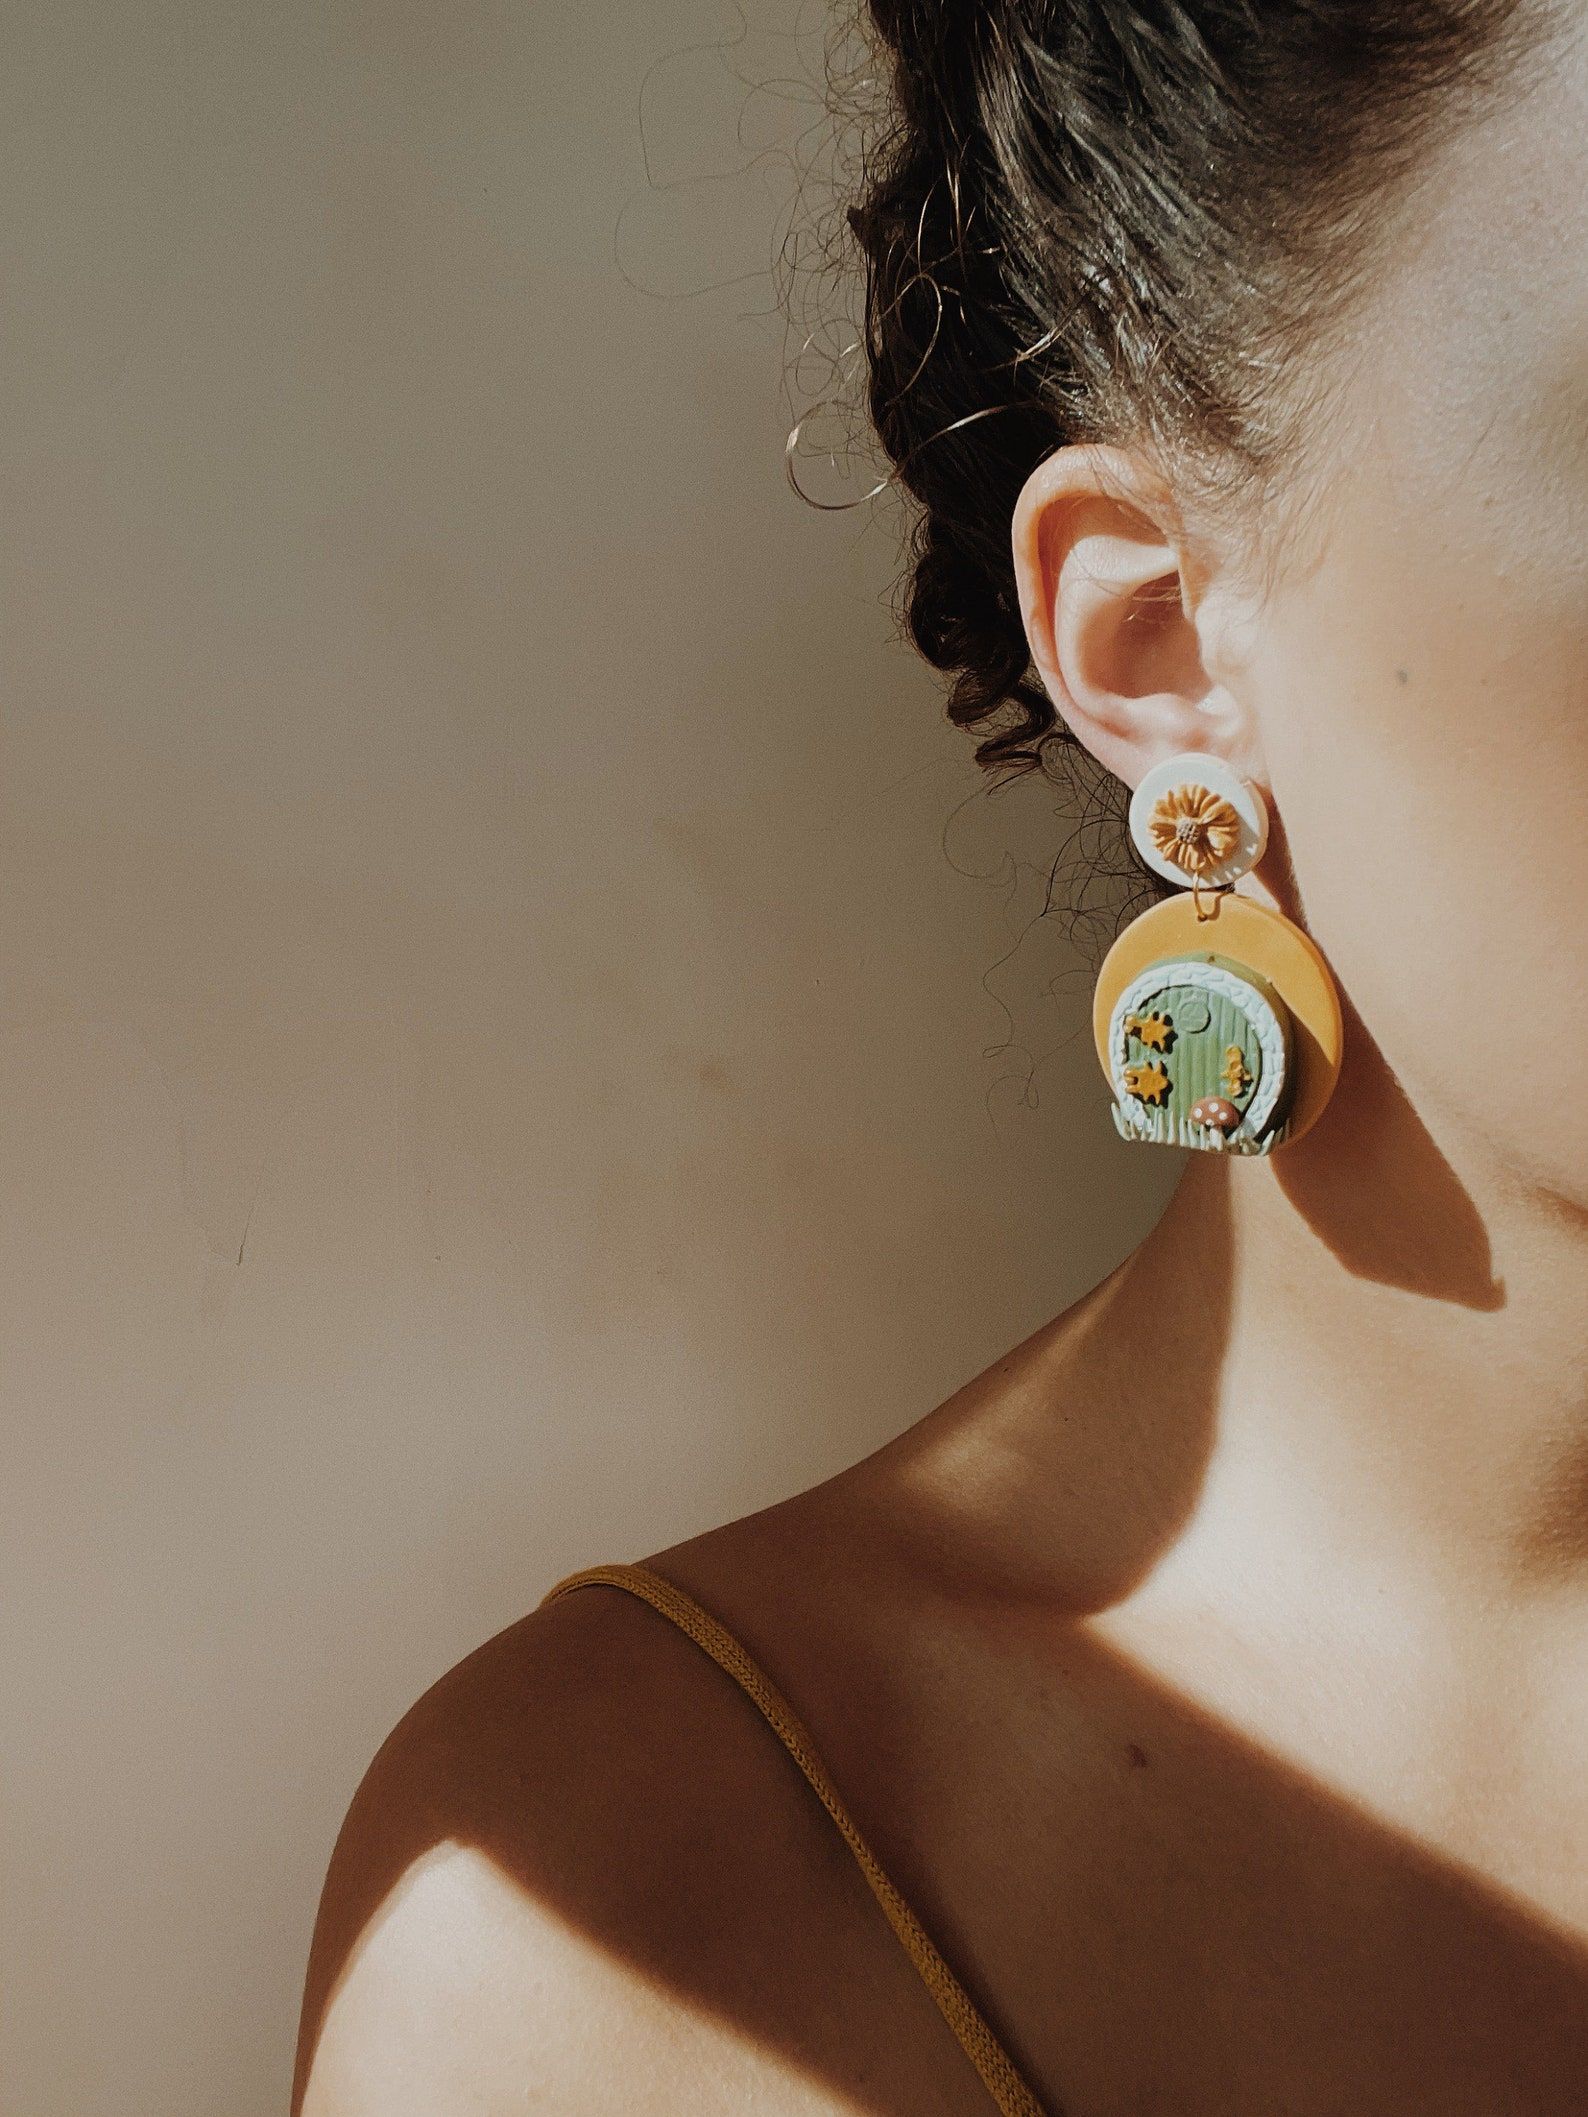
(1136, 1754)
(1401, 677)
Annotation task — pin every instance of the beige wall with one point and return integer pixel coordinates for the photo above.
(493, 1065)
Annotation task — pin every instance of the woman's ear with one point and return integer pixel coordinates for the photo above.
(1118, 609)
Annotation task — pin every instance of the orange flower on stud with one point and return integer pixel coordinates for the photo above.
(1193, 828)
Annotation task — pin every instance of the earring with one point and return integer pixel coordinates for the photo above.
(1217, 1020)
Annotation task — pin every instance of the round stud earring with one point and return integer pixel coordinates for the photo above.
(1217, 1020)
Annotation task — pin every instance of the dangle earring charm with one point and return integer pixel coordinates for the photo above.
(1217, 1020)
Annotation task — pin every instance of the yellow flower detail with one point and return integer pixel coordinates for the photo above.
(1149, 1084)
(1154, 1031)
(1195, 829)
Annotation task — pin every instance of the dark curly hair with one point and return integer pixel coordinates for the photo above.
(1123, 220)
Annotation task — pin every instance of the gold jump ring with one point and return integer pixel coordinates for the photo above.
(1196, 899)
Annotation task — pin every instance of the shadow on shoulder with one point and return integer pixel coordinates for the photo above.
(580, 1875)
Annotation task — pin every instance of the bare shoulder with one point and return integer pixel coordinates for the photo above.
(581, 1874)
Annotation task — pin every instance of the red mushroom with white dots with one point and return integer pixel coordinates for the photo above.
(1217, 1111)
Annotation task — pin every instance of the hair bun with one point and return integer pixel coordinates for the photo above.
(1119, 221)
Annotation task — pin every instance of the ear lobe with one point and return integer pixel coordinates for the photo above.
(1102, 572)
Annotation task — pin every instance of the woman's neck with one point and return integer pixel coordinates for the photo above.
(1403, 1381)
(1355, 1369)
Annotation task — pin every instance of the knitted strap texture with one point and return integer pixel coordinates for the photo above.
(998, 2072)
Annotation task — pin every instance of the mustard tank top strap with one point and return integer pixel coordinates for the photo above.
(999, 2074)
